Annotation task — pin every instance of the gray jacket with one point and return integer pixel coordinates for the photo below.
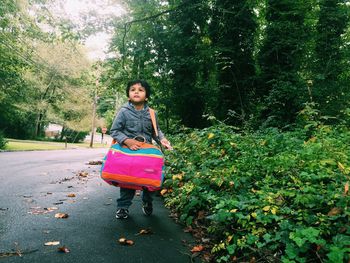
(130, 123)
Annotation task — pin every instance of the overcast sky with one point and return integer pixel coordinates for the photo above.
(75, 10)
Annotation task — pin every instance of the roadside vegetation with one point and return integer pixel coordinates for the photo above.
(3, 141)
(264, 196)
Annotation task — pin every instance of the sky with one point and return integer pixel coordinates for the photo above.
(75, 10)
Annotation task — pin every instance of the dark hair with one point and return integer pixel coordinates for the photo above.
(143, 83)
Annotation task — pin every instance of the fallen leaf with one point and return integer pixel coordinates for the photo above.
(124, 241)
(52, 243)
(95, 162)
(164, 191)
(83, 174)
(61, 215)
(188, 229)
(50, 209)
(18, 253)
(334, 211)
(145, 232)
(129, 242)
(71, 195)
(198, 248)
(63, 249)
(36, 210)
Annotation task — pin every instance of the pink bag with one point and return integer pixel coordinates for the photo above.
(138, 170)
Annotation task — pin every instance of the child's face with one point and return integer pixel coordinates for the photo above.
(137, 94)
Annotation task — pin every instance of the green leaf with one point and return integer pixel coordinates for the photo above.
(291, 251)
(231, 249)
(336, 255)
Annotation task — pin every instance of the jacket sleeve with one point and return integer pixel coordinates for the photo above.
(118, 127)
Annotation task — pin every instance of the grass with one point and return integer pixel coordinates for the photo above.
(27, 145)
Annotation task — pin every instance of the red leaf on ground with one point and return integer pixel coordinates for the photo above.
(198, 248)
(63, 249)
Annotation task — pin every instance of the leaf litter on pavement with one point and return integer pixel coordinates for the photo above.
(63, 249)
(82, 177)
(128, 242)
(61, 215)
(146, 231)
(52, 243)
(37, 210)
(94, 163)
(16, 252)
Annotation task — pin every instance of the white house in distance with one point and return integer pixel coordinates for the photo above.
(53, 130)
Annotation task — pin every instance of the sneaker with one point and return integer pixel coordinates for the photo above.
(122, 213)
(147, 208)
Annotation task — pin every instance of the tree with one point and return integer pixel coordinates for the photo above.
(40, 73)
(330, 90)
(232, 30)
(282, 89)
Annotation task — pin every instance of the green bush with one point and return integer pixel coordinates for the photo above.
(268, 195)
(3, 141)
(72, 136)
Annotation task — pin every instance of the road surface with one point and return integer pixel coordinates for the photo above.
(35, 186)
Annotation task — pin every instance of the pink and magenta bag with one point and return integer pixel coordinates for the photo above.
(139, 169)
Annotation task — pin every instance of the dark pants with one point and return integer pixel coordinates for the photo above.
(126, 196)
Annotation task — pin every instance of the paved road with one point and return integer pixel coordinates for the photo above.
(32, 182)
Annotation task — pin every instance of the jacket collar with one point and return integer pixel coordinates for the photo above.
(131, 106)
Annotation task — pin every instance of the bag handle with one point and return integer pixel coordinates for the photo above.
(153, 119)
(154, 124)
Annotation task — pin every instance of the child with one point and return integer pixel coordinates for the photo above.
(134, 120)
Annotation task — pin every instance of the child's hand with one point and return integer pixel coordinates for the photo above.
(166, 144)
(132, 144)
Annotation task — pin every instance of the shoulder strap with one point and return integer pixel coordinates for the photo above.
(153, 118)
